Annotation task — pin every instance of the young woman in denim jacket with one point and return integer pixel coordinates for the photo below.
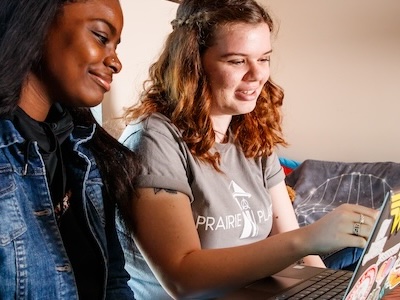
(61, 175)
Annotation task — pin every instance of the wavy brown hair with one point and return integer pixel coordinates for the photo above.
(177, 86)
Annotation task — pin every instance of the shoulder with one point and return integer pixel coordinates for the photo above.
(272, 169)
(154, 125)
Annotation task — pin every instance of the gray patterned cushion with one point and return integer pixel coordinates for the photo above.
(321, 186)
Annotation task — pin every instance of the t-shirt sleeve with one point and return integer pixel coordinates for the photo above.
(163, 155)
(273, 171)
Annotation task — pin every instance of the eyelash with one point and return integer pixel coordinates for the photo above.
(237, 62)
(240, 62)
(101, 38)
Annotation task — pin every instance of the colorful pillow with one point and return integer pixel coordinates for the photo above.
(288, 165)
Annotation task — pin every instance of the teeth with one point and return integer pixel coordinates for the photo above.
(248, 92)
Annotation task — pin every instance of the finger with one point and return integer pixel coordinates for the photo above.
(364, 215)
(362, 219)
(358, 241)
(366, 211)
(361, 230)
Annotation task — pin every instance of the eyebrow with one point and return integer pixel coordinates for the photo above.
(242, 54)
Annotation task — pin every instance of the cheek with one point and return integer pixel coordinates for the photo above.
(74, 63)
(267, 74)
(224, 80)
(80, 55)
(90, 53)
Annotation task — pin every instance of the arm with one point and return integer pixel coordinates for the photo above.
(186, 270)
(285, 218)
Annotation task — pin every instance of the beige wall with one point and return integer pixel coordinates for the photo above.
(146, 25)
(338, 61)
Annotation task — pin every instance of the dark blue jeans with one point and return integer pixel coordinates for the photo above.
(344, 259)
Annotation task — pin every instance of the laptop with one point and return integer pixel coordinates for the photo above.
(376, 274)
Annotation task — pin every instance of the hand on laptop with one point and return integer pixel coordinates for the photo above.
(349, 225)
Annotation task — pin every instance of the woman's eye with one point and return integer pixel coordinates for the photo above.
(266, 59)
(237, 62)
(103, 39)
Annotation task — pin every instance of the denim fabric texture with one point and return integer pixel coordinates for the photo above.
(344, 259)
(143, 282)
(33, 260)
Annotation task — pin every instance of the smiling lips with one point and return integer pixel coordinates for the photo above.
(246, 95)
(248, 92)
(103, 80)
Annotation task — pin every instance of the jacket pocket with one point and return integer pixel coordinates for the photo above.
(12, 224)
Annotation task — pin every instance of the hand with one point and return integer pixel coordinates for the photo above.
(349, 225)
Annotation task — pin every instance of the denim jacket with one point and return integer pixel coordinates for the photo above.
(33, 260)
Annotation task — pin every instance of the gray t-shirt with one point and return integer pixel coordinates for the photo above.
(229, 209)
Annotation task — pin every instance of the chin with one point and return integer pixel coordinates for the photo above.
(93, 100)
(247, 110)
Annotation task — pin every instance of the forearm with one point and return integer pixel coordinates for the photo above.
(209, 272)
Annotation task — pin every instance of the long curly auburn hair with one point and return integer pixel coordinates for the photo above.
(177, 86)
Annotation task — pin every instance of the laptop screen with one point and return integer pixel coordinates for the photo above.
(378, 271)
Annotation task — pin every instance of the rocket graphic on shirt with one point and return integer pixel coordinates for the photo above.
(250, 228)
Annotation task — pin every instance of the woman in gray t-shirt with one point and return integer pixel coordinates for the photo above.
(213, 211)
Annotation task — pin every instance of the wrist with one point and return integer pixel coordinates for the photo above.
(301, 242)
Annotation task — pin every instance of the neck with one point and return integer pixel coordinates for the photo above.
(220, 125)
(221, 137)
(34, 100)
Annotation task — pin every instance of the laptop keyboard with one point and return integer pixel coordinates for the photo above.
(330, 284)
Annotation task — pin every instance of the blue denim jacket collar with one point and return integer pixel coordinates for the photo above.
(8, 134)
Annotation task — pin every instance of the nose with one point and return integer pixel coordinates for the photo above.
(257, 71)
(113, 63)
